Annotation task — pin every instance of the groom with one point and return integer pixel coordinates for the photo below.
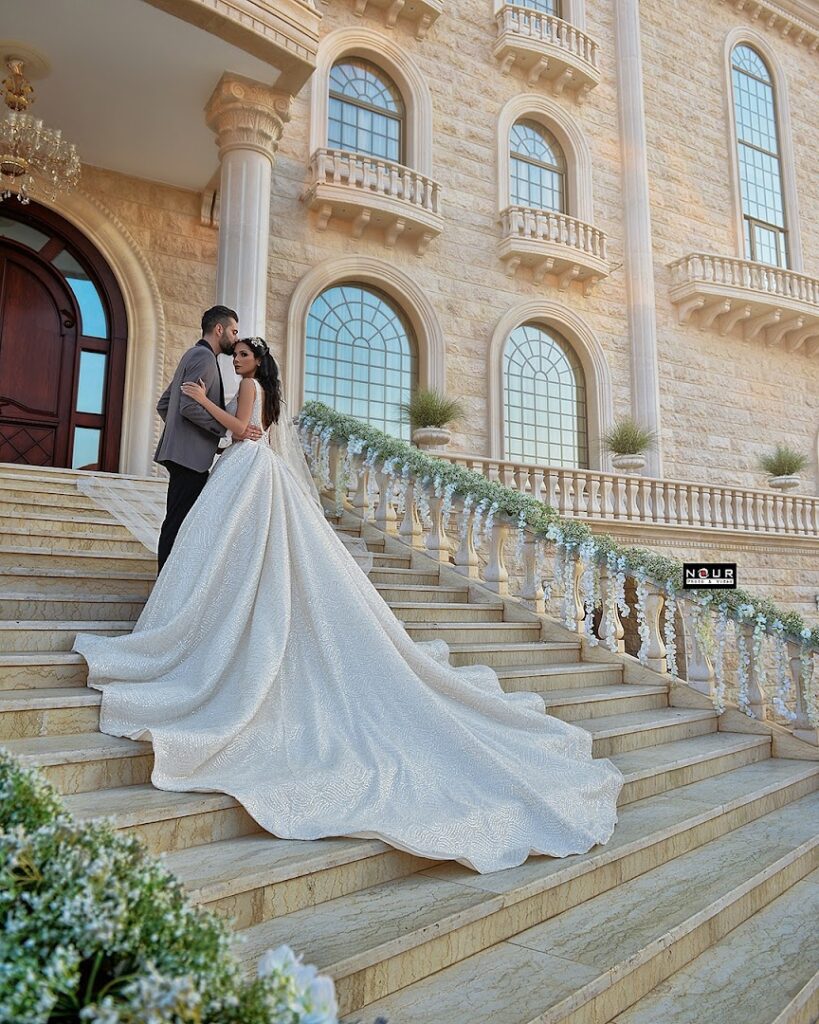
(191, 435)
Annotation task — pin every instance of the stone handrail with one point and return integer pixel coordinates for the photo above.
(528, 22)
(589, 494)
(373, 174)
(590, 591)
(760, 277)
(549, 226)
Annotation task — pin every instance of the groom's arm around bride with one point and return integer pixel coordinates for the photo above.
(191, 435)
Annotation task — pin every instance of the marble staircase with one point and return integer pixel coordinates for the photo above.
(697, 911)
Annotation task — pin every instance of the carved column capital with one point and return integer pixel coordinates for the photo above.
(247, 115)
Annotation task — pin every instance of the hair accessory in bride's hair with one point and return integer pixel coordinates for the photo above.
(258, 345)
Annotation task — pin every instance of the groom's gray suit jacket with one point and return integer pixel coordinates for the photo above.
(191, 435)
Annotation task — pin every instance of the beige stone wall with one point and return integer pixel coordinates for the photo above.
(180, 252)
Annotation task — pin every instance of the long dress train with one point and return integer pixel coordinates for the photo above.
(265, 665)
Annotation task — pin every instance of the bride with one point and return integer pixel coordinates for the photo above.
(266, 665)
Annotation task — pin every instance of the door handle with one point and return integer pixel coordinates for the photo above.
(69, 320)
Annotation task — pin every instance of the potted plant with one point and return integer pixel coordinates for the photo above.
(430, 413)
(628, 442)
(783, 466)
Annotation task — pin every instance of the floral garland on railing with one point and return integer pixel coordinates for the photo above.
(491, 499)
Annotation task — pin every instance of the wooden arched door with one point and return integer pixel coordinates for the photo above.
(63, 335)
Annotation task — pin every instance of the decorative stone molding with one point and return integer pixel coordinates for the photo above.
(385, 53)
(374, 194)
(412, 299)
(284, 33)
(787, 161)
(247, 115)
(586, 347)
(424, 13)
(546, 49)
(752, 300)
(554, 245)
(776, 17)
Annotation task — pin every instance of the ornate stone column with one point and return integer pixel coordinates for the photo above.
(248, 118)
(639, 262)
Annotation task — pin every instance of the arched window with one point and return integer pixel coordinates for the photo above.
(366, 112)
(360, 356)
(544, 399)
(760, 170)
(537, 168)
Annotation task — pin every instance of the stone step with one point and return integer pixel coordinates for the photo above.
(43, 711)
(391, 561)
(547, 678)
(660, 769)
(28, 604)
(618, 734)
(41, 669)
(381, 939)
(16, 497)
(514, 656)
(45, 579)
(14, 556)
(424, 594)
(63, 523)
(83, 762)
(475, 632)
(99, 540)
(596, 701)
(165, 821)
(51, 475)
(34, 635)
(763, 972)
(258, 877)
(590, 961)
(398, 577)
(431, 614)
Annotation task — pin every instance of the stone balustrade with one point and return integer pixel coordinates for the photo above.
(374, 194)
(546, 49)
(552, 244)
(611, 497)
(754, 300)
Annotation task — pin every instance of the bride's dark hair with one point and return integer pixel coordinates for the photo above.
(267, 374)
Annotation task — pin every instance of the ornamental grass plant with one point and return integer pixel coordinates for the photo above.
(627, 437)
(429, 408)
(783, 461)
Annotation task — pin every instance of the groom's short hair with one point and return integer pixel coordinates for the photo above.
(217, 315)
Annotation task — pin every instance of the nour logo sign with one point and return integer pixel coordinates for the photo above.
(722, 575)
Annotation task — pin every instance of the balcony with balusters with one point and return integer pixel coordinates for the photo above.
(752, 300)
(375, 195)
(547, 50)
(554, 245)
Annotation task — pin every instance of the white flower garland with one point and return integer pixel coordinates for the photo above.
(810, 690)
(782, 673)
(642, 623)
(422, 503)
(589, 589)
(721, 638)
(610, 610)
(670, 631)
(743, 662)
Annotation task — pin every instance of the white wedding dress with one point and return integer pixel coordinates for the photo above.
(265, 665)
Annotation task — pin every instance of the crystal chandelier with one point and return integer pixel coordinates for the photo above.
(35, 161)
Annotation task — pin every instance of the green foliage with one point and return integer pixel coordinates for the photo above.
(783, 461)
(428, 408)
(95, 929)
(539, 517)
(627, 437)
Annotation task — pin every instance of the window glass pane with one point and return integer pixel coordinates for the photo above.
(23, 233)
(360, 356)
(544, 400)
(546, 6)
(366, 111)
(536, 168)
(85, 291)
(91, 387)
(86, 453)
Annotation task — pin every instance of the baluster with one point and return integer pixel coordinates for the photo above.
(593, 505)
(537, 483)
(531, 593)
(507, 475)
(385, 518)
(411, 531)
(802, 728)
(437, 541)
(756, 694)
(608, 590)
(620, 498)
(705, 499)
(655, 600)
(670, 502)
(492, 471)
(552, 490)
(699, 671)
(335, 454)
(768, 513)
(658, 501)
(495, 574)
(521, 478)
(579, 495)
(466, 557)
(632, 511)
(645, 500)
(361, 499)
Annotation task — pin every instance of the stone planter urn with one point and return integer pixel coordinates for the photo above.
(431, 438)
(784, 483)
(632, 463)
